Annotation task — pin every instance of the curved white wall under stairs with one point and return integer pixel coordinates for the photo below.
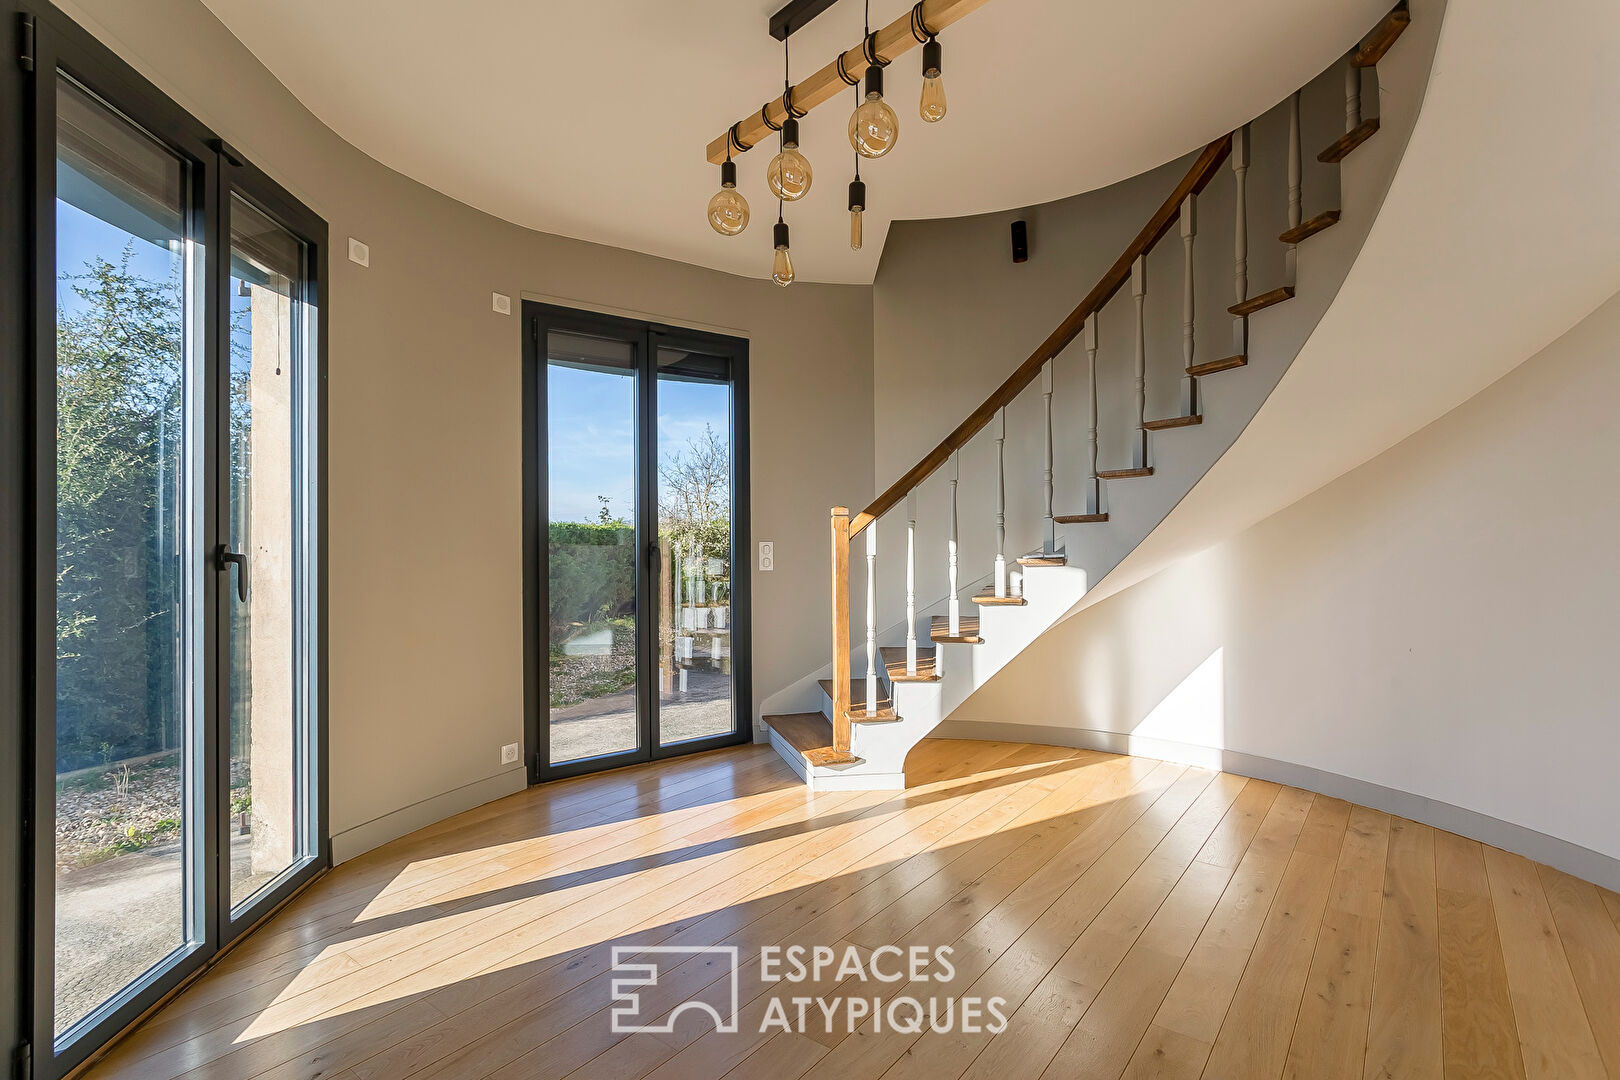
(944, 341)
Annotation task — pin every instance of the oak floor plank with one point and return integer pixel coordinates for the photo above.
(1592, 946)
(1479, 1034)
(1330, 1032)
(1403, 1036)
(1553, 1030)
(1254, 1039)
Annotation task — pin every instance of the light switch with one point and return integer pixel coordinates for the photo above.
(359, 253)
(503, 303)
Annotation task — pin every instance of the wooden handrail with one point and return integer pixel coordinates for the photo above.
(844, 527)
(1198, 177)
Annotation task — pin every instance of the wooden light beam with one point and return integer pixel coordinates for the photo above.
(891, 41)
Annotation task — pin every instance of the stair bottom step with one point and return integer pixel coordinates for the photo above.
(811, 735)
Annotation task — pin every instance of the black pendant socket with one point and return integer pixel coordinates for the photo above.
(874, 81)
(1020, 242)
(931, 58)
(779, 233)
(857, 194)
(790, 133)
(728, 173)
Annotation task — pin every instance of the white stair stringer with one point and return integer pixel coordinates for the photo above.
(1049, 592)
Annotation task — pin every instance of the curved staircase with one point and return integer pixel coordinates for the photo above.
(853, 730)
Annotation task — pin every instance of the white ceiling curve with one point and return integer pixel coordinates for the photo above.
(590, 118)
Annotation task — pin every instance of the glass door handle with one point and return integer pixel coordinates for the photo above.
(226, 558)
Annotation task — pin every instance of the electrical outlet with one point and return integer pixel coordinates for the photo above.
(503, 303)
(359, 253)
(509, 754)
(767, 555)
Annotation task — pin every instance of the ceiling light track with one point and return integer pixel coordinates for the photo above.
(886, 44)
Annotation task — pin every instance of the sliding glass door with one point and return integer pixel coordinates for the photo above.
(176, 785)
(635, 487)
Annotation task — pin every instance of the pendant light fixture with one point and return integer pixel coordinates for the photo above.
(789, 172)
(931, 107)
(728, 210)
(782, 267)
(873, 127)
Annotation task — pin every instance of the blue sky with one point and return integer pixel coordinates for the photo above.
(592, 434)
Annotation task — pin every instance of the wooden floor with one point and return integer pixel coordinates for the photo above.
(1140, 919)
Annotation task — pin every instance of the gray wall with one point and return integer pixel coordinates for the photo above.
(424, 445)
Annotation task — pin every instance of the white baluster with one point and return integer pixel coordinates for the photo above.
(1093, 485)
(1240, 172)
(1352, 94)
(1001, 504)
(1291, 255)
(871, 618)
(955, 602)
(1139, 453)
(1049, 546)
(1189, 230)
(911, 583)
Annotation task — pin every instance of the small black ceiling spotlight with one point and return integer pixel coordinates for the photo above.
(1020, 241)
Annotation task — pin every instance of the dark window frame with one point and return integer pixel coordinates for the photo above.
(647, 337)
(27, 464)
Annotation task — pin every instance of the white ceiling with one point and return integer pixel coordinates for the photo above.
(590, 118)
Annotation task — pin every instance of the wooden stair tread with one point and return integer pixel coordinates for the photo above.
(1172, 422)
(1079, 519)
(857, 701)
(987, 596)
(1226, 363)
(1264, 300)
(1307, 229)
(1123, 474)
(894, 659)
(940, 626)
(1043, 560)
(1340, 148)
(1385, 34)
(811, 735)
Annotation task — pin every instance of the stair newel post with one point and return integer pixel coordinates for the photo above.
(1049, 544)
(1295, 213)
(1240, 257)
(911, 583)
(1093, 485)
(1001, 503)
(871, 618)
(840, 629)
(955, 601)
(1190, 405)
(1139, 452)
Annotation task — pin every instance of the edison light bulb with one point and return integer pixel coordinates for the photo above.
(873, 128)
(857, 203)
(932, 106)
(789, 171)
(728, 210)
(789, 175)
(782, 268)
